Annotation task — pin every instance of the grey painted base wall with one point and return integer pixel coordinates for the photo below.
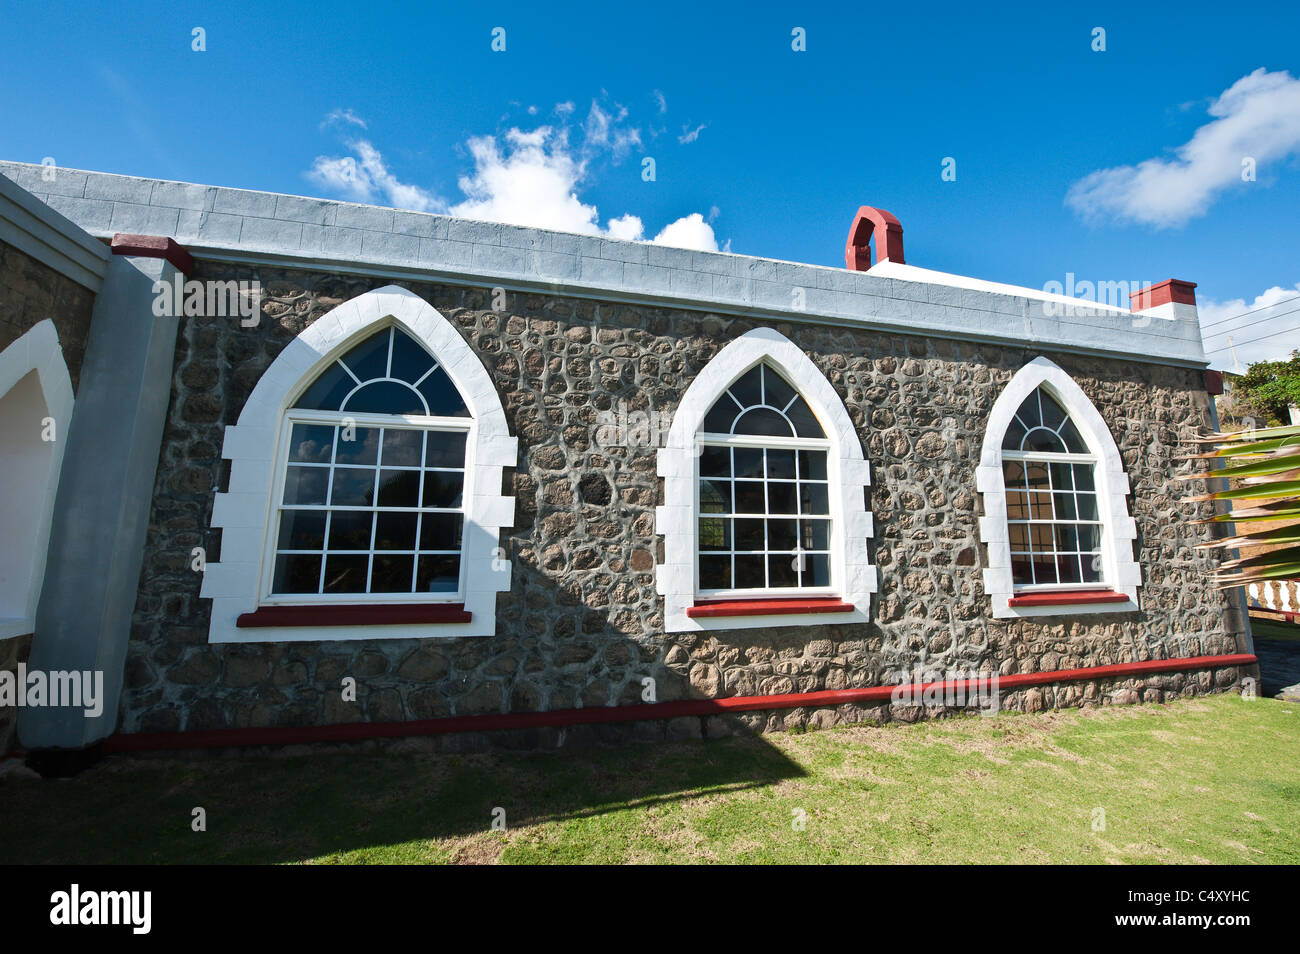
(580, 627)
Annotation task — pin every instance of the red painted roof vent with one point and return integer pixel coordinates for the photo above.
(889, 239)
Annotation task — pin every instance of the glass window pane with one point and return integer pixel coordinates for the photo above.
(1061, 476)
(1040, 506)
(395, 531)
(1091, 568)
(1044, 568)
(1053, 413)
(442, 489)
(749, 497)
(748, 462)
(370, 358)
(715, 496)
(328, 391)
(780, 464)
(1013, 474)
(749, 535)
(305, 485)
(302, 530)
(401, 488)
(812, 465)
(715, 461)
(350, 529)
(1067, 568)
(1018, 534)
(346, 573)
(1028, 412)
(410, 361)
(813, 498)
(1022, 573)
(357, 445)
(715, 572)
(781, 498)
(816, 534)
(1083, 477)
(805, 422)
(402, 448)
(715, 533)
(385, 397)
(817, 570)
(782, 534)
(751, 571)
(313, 443)
(1073, 440)
(776, 391)
(1040, 537)
(720, 416)
(783, 569)
(1015, 434)
(391, 573)
(1041, 440)
(763, 422)
(353, 487)
(439, 573)
(444, 449)
(1087, 506)
(1067, 539)
(1017, 505)
(1036, 476)
(443, 398)
(440, 531)
(748, 390)
(296, 573)
(1089, 536)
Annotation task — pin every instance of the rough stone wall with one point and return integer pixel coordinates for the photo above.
(582, 624)
(30, 292)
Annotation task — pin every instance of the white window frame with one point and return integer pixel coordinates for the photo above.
(256, 447)
(1119, 572)
(303, 416)
(848, 473)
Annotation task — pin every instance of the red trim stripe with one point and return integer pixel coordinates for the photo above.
(355, 732)
(771, 607)
(1068, 598)
(354, 614)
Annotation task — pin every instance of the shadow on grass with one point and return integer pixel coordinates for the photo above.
(366, 807)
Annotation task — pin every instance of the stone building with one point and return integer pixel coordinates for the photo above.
(283, 469)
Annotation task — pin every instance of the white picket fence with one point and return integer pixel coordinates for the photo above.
(1276, 596)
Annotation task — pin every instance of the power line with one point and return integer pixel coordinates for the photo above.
(1242, 344)
(1259, 321)
(1251, 312)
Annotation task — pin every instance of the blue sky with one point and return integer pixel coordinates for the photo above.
(757, 148)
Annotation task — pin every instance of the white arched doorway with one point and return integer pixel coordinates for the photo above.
(36, 403)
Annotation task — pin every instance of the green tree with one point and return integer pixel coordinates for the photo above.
(1272, 386)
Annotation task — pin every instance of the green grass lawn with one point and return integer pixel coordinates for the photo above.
(1203, 780)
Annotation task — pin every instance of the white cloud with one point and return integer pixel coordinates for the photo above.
(343, 117)
(1237, 332)
(365, 178)
(690, 231)
(689, 134)
(523, 177)
(661, 101)
(1258, 117)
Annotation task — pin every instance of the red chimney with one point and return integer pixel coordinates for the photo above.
(889, 239)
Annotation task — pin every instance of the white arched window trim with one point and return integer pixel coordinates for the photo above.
(38, 350)
(1120, 574)
(854, 578)
(254, 445)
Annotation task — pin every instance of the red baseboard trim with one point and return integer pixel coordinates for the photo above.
(362, 731)
(354, 614)
(1068, 598)
(768, 607)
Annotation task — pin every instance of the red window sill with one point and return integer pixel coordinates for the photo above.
(354, 614)
(1068, 598)
(768, 607)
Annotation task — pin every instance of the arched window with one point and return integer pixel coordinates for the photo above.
(373, 479)
(1053, 524)
(365, 485)
(764, 518)
(1057, 527)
